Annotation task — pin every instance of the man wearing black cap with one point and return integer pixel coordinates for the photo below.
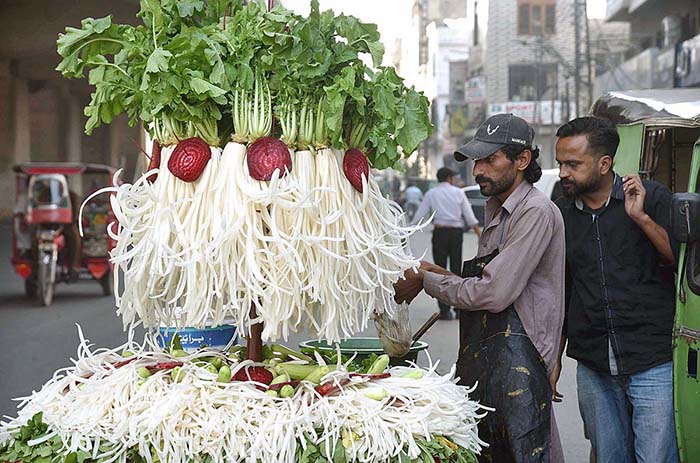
(452, 210)
(511, 296)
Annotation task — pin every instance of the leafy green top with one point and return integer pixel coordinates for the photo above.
(192, 67)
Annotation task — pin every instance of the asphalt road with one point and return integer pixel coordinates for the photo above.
(35, 341)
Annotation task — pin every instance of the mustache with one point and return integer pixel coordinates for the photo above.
(482, 179)
(566, 182)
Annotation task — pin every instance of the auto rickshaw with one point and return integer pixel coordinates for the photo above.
(660, 140)
(46, 248)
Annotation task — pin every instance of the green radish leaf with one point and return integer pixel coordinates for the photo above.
(158, 61)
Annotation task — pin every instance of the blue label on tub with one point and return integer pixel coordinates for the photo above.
(193, 338)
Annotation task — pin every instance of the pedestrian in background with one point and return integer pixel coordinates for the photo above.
(452, 211)
(510, 297)
(412, 199)
(620, 297)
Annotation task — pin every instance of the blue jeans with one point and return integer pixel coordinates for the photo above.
(630, 416)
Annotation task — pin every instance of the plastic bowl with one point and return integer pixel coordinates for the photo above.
(363, 348)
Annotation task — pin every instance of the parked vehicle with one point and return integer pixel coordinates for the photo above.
(660, 140)
(477, 200)
(549, 184)
(44, 235)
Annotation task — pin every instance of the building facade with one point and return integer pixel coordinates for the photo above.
(523, 60)
(41, 113)
(664, 46)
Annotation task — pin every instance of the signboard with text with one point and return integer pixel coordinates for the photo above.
(475, 90)
(535, 112)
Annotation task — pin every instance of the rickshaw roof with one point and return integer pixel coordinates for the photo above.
(65, 168)
(679, 106)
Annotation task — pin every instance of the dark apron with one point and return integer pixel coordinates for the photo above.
(496, 352)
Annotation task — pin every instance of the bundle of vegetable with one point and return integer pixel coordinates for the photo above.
(208, 406)
(286, 218)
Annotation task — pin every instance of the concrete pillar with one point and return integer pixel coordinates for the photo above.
(21, 122)
(74, 128)
(116, 142)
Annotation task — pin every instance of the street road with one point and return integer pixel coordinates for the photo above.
(35, 341)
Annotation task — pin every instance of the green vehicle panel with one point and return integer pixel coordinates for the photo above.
(660, 140)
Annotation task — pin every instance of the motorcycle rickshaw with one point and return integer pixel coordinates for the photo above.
(660, 140)
(46, 248)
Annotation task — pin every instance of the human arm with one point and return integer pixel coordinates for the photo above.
(424, 209)
(411, 285)
(635, 194)
(506, 276)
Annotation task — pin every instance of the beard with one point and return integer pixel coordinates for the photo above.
(493, 187)
(571, 188)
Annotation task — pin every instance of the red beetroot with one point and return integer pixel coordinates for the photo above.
(189, 159)
(165, 366)
(121, 363)
(370, 376)
(329, 387)
(265, 155)
(355, 166)
(155, 161)
(257, 374)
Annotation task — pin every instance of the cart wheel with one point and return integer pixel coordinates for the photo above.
(30, 286)
(106, 283)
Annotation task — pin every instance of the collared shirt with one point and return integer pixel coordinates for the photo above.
(620, 299)
(528, 272)
(450, 205)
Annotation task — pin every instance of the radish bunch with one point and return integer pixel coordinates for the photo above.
(291, 233)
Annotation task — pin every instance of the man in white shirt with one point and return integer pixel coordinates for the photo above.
(452, 210)
(413, 197)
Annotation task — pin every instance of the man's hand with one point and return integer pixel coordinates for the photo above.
(428, 267)
(634, 197)
(409, 287)
(553, 379)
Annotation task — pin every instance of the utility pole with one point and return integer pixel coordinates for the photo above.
(589, 74)
(577, 54)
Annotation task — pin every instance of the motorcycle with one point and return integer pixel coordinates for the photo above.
(45, 240)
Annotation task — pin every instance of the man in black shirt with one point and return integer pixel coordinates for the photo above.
(620, 297)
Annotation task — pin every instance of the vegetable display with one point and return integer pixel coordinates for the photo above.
(216, 406)
(258, 206)
(262, 193)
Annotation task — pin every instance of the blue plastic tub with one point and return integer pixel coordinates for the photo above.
(193, 338)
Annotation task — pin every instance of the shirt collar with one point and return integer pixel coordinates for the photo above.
(617, 192)
(513, 199)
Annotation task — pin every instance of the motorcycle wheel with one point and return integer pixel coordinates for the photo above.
(30, 286)
(46, 278)
(106, 283)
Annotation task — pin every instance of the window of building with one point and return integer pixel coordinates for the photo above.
(536, 17)
(532, 82)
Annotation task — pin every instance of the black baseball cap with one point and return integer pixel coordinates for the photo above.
(493, 134)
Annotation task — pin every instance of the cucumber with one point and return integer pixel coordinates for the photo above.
(379, 365)
(280, 349)
(295, 370)
(413, 374)
(224, 374)
(316, 375)
(281, 378)
(375, 393)
(287, 391)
